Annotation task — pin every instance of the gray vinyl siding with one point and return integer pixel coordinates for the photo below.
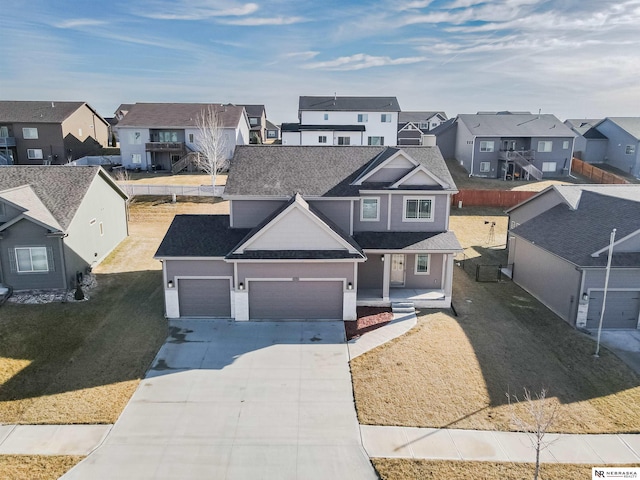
(446, 142)
(463, 149)
(250, 213)
(432, 280)
(387, 175)
(561, 156)
(371, 226)
(616, 147)
(534, 207)
(28, 234)
(197, 268)
(591, 150)
(7, 212)
(552, 280)
(371, 272)
(440, 220)
(335, 210)
(50, 141)
(618, 278)
(84, 245)
(491, 157)
(337, 270)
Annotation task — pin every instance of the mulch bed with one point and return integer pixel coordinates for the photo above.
(369, 318)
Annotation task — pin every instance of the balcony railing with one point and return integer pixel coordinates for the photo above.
(165, 147)
(511, 155)
(7, 142)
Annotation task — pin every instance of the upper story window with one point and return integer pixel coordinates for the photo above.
(385, 118)
(487, 146)
(363, 117)
(135, 138)
(565, 145)
(630, 149)
(4, 132)
(369, 209)
(30, 133)
(167, 137)
(344, 140)
(418, 209)
(376, 141)
(423, 126)
(326, 116)
(322, 139)
(272, 134)
(545, 146)
(253, 121)
(32, 259)
(34, 153)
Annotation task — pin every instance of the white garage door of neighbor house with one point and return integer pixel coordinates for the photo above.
(291, 300)
(621, 309)
(204, 297)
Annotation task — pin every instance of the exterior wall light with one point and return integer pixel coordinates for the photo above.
(349, 286)
(382, 258)
(241, 286)
(585, 296)
(170, 284)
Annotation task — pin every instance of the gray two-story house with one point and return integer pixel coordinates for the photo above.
(623, 147)
(513, 145)
(57, 222)
(314, 232)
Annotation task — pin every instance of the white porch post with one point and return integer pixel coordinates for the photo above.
(241, 301)
(386, 277)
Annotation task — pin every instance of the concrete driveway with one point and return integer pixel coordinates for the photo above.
(624, 343)
(228, 400)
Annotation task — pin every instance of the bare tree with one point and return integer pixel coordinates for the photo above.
(211, 143)
(538, 416)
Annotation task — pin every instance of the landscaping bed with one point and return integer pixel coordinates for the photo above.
(369, 318)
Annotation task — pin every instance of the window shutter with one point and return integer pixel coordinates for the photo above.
(12, 260)
(51, 260)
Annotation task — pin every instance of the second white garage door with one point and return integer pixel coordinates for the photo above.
(295, 300)
(621, 310)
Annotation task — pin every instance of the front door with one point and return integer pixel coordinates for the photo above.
(397, 269)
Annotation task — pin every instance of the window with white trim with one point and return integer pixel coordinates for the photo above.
(385, 118)
(30, 133)
(363, 117)
(565, 145)
(326, 116)
(322, 139)
(549, 166)
(369, 209)
(487, 146)
(79, 132)
(485, 167)
(136, 158)
(545, 146)
(344, 140)
(422, 264)
(31, 259)
(630, 150)
(34, 153)
(417, 209)
(253, 121)
(375, 141)
(135, 138)
(272, 134)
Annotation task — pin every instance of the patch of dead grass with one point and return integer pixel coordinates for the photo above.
(30, 467)
(145, 178)
(409, 469)
(455, 371)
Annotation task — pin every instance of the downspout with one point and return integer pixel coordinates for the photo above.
(64, 262)
(473, 151)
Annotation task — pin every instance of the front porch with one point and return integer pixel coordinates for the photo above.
(421, 298)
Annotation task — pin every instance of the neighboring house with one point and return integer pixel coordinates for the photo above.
(273, 132)
(558, 245)
(162, 136)
(513, 145)
(445, 135)
(344, 121)
(590, 145)
(49, 133)
(313, 232)
(413, 126)
(56, 222)
(623, 148)
(257, 115)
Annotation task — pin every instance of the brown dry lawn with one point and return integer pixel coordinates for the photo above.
(30, 467)
(146, 178)
(404, 469)
(455, 371)
(81, 362)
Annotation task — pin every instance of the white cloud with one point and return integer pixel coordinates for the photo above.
(415, 4)
(308, 55)
(193, 9)
(255, 22)
(360, 61)
(80, 22)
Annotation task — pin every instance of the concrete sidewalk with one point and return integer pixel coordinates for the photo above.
(450, 444)
(51, 439)
(400, 325)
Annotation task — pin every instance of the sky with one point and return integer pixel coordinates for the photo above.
(571, 58)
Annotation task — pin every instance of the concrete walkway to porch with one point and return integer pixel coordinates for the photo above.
(400, 325)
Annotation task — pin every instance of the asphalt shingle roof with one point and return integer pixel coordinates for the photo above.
(515, 125)
(441, 241)
(406, 117)
(60, 188)
(349, 104)
(200, 236)
(36, 112)
(631, 125)
(585, 127)
(575, 234)
(314, 171)
(178, 115)
(254, 110)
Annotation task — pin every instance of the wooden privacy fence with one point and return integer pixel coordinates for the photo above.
(491, 198)
(594, 173)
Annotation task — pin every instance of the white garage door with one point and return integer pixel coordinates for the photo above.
(204, 298)
(295, 300)
(621, 310)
